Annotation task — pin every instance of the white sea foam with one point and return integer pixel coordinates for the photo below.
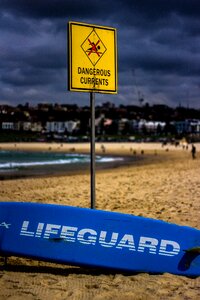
(14, 163)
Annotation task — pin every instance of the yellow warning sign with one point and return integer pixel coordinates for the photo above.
(92, 58)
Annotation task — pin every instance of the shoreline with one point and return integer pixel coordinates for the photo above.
(64, 169)
(133, 154)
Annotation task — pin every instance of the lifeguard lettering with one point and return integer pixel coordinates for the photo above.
(89, 236)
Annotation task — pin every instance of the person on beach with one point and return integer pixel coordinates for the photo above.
(193, 151)
(103, 149)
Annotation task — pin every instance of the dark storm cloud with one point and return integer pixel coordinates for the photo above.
(158, 49)
(155, 9)
(58, 8)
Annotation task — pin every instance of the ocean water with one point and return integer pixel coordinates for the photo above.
(21, 159)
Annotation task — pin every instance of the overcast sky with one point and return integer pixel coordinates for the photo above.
(158, 50)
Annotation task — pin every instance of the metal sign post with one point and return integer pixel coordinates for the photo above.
(92, 149)
(92, 68)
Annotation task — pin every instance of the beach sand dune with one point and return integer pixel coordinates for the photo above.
(166, 187)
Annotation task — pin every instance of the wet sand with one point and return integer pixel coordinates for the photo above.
(165, 185)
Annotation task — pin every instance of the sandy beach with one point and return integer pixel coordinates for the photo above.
(164, 184)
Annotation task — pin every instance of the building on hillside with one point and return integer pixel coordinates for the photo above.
(62, 127)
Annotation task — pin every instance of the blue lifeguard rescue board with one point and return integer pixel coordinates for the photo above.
(86, 237)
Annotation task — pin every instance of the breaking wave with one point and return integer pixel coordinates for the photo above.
(23, 159)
